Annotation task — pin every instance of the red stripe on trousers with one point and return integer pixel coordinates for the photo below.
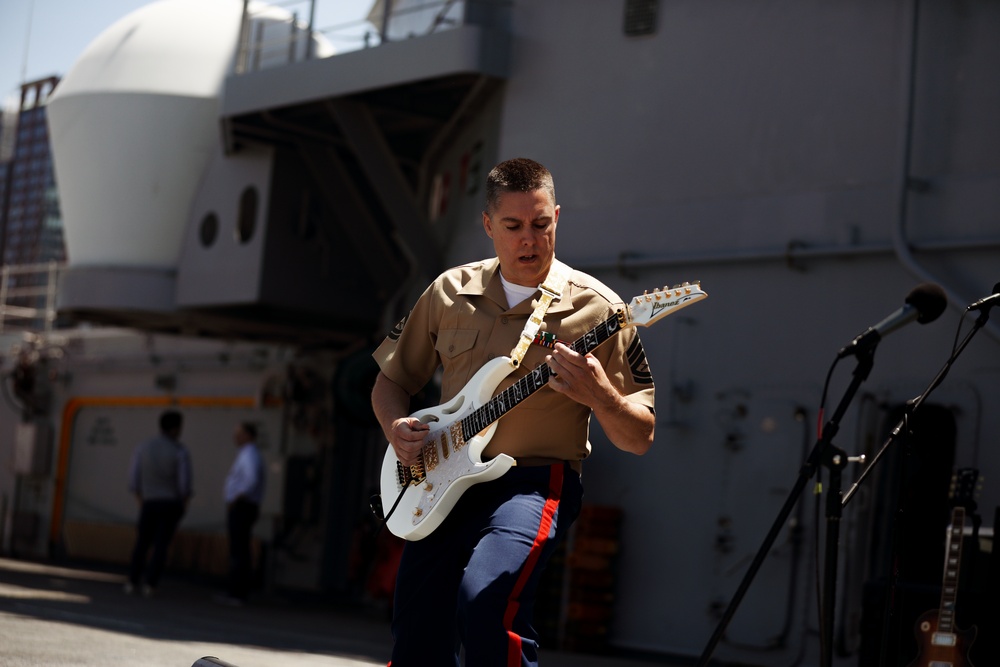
(541, 537)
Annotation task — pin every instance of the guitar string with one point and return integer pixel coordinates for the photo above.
(507, 399)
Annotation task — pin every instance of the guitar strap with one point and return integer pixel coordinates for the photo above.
(551, 289)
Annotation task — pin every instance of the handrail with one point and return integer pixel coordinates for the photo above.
(420, 18)
(38, 287)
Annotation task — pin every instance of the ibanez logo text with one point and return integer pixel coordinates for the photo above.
(657, 306)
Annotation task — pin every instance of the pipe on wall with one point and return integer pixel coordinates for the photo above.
(627, 263)
(900, 243)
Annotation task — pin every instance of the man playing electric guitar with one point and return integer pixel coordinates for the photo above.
(471, 582)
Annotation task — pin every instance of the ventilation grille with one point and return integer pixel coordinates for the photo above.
(640, 17)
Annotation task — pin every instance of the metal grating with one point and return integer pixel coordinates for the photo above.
(640, 17)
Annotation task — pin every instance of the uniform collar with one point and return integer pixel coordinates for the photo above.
(487, 283)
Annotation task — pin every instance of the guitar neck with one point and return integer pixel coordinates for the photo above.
(509, 398)
(952, 563)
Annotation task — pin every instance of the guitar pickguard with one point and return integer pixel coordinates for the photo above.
(451, 464)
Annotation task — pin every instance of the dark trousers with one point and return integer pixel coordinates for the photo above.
(158, 521)
(471, 583)
(240, 518)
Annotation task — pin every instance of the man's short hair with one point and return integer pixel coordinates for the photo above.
(170, 420)
(517, 175)
(250, 429)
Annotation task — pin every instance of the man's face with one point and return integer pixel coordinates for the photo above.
(523, 229)
(240, 436)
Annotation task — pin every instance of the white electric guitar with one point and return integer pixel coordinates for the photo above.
(421, 495)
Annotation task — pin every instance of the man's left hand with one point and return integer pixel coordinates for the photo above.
(580, 377)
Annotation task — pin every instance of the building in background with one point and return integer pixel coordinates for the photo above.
(30, 223)
(31, 231)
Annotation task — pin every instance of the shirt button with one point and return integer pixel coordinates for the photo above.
(451, 348)
(503, 320)
(490, 355)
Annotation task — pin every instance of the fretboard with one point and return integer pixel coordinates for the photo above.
(512, 396)
(952, 562)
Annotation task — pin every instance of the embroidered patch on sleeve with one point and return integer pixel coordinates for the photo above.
(637, 363)
(397, 330)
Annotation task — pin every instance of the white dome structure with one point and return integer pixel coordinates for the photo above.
(134, 123)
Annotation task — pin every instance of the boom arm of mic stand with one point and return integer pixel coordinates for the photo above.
(916, 403)
(820, 454)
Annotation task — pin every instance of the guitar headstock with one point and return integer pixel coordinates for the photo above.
(965, 487)
(650, 307)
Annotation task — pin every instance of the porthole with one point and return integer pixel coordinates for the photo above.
(246, 220)
(208, 230)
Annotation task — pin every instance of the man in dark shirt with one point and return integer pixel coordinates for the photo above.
(160, 479)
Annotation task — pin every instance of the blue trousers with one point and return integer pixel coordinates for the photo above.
(471, 583)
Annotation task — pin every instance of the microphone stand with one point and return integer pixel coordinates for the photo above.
(825, 453)
(901, 429)
(835, 459)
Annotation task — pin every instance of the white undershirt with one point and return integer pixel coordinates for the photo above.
(516, 293)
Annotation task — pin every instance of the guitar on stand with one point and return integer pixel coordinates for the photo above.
(941, 643)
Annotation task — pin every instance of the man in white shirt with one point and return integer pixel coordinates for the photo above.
(243, 493)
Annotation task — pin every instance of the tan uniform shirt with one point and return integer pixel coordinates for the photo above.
(461, 321)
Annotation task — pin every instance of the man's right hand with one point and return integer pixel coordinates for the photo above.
(407, 437)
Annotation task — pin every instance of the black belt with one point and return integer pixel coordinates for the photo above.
(533, 461)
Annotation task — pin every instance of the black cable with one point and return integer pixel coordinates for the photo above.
(822, 400)
(817, 492)
(818, 571)
(21, 408)
(378, 503)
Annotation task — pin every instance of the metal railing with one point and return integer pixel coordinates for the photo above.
(28, 296)
(285, 32)
(275, 34)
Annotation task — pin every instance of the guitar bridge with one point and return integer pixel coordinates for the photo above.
(408, 475)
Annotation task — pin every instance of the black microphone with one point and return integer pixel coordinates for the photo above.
(987, 301)
(924, 303)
